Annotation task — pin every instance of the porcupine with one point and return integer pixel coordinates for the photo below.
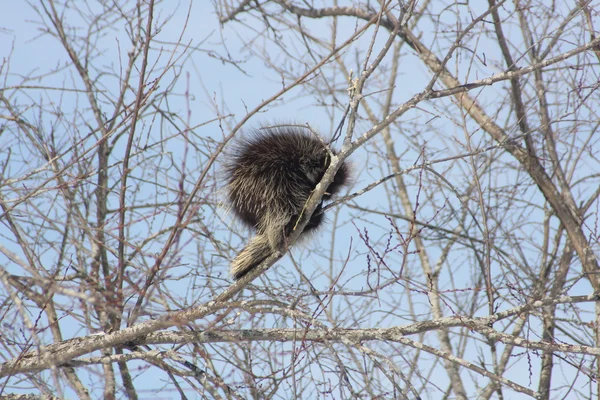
(271, 175)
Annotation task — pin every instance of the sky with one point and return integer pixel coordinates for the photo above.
(211, 83)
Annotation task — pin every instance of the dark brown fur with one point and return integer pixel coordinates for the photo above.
(270, 177)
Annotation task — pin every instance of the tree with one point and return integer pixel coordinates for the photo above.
(462, 263)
